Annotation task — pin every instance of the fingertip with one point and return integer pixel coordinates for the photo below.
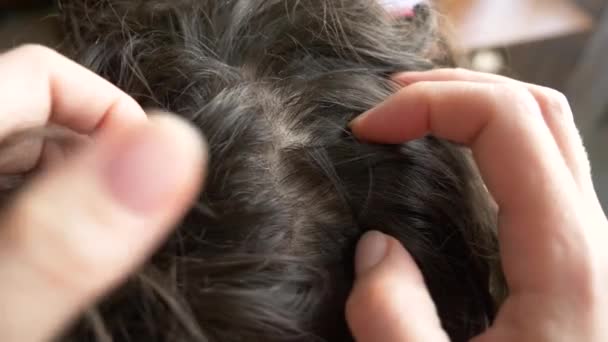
(155, 165)
(357, 124)
(184, 132)
(389, 301)
(371, 250)
(190, 139)
(379, 254)
(400, 118)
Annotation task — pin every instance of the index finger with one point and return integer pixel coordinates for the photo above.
(519, 160)
(39, 86)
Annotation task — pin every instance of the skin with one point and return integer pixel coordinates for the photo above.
(552, 230)
(82, 225)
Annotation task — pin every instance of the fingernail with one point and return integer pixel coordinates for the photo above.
(372, 249)
(144, 170)
(357, 121)
(404, 78)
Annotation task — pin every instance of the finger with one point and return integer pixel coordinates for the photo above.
(389, 301)
(36, 148)
(77, 231)
(18, 156)
(518, 159)
(554, 107)
(39, 85)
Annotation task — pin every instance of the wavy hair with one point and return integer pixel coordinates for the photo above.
(266, 253)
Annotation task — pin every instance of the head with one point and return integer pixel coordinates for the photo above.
(266, 253)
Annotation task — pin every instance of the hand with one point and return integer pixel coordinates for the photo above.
(79, 228)
(552, 231)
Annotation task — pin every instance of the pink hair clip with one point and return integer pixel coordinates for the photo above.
(401, 8)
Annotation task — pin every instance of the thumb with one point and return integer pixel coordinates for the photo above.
(389, 301)
(78, 230)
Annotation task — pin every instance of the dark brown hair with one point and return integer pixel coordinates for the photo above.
(266, 254)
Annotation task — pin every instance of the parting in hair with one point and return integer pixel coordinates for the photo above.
(266, 253)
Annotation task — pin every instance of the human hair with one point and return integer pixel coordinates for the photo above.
(266, 252)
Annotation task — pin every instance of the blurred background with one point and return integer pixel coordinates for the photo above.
(562, 44)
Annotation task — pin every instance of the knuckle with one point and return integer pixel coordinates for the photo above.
(553, 102)
(512, 91)
(35, 52)
(461, 72)
(558, 96)
(517, 96)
